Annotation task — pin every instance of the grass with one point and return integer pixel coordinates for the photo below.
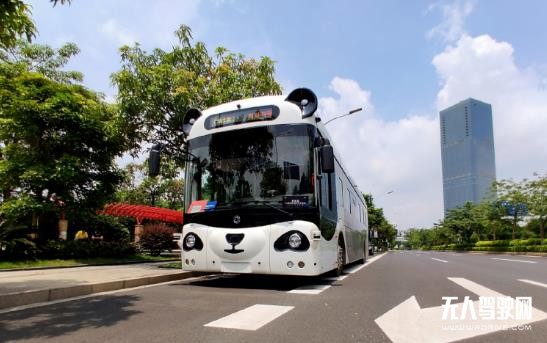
(8, 265)
(174, 265)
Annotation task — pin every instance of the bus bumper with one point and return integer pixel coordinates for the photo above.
(251, 250)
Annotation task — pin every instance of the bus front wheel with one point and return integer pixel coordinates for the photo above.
(341, 258)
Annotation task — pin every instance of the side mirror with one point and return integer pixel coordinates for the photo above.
(327, 159)
(154, 160)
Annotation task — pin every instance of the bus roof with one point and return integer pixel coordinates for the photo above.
(289, 113)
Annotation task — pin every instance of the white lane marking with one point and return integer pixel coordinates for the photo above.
(437, 259)
(368, 263)
(511, 260)
(354, 269)
(339, 278)
(475, 287)
(534, 283)
(309, 289)
(408, 322)
(317, 289)
(252, 318)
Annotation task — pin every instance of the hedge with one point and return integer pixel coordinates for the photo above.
(85, 249)
(516, 245)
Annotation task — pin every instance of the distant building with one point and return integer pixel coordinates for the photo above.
(467, 152)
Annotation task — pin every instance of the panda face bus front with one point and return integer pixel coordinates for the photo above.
(262, 249)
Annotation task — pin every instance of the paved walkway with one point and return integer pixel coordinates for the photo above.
(31, 286)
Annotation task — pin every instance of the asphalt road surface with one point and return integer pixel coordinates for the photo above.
(357, 307)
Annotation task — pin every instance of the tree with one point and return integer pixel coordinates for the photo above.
(463, 223)
(43, 59)
(418, 238)
(58, 142)
(513, 197)
(16, 23)
(166, 190)
(536, 194)
(377, 222)
(156, 89)
(490, 216)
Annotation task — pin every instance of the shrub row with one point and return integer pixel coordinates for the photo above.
(84, 249)
(492, 247)
(156, 238)
(511, 243)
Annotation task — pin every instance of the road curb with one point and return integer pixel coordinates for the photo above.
(89, 265)
(16, 299)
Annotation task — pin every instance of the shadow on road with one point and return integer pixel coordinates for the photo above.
(262, 282)
(48, 322)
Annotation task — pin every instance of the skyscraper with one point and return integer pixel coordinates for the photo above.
(467, 152)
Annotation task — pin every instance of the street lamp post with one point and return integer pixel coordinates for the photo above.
(344, 115)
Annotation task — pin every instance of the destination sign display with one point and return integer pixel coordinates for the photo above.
(247, 115)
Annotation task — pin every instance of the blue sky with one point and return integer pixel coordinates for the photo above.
(402, 60)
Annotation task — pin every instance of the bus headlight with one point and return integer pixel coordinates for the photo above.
(190, 241)
(295, 241)
(292, 240)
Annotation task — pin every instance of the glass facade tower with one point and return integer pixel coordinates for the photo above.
(467, 152)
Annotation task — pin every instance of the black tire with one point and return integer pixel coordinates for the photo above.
(365, 251)
(340, 258)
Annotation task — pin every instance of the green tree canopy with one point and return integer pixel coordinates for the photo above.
(16, 23)
(43, 59)
(536, 195)
(166, 190)
(377, 222)
(514, 195)
(156, 89)
(58, 142)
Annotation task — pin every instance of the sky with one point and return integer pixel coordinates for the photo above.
(402, 61)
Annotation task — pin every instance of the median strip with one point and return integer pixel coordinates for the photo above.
(510, 260)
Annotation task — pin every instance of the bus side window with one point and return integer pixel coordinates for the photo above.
(341, 191)
(349, 200)
(330, 187)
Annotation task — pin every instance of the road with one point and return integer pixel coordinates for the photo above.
(281, 309)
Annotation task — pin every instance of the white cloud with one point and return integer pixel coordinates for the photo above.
(483, 68)
(402, 156)
(115, 32)
(454, 15)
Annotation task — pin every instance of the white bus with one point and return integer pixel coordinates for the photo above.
(266, 193)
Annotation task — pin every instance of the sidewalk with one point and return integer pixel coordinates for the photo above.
(25, 287)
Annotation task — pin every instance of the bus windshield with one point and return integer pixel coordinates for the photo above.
(267, 164)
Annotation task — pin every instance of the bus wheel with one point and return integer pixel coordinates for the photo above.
(364, 259)
(341, 258)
